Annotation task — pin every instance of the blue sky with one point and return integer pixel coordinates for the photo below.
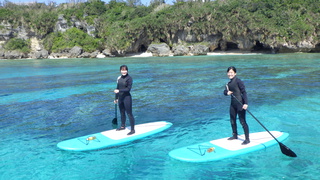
(145, 2)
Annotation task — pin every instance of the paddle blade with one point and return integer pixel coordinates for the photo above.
(115, 121)
(287, 151)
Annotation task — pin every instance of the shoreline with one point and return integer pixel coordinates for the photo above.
(148, 54)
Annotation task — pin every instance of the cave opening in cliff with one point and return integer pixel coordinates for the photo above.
(162, 41)
(232, 46)
(227, 46)
(316, 49)
(142, 48)
(260, 47)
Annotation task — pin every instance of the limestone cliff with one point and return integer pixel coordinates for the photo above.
(182, 42)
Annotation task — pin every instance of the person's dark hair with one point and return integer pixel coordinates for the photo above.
(233, 68)
(124, 66)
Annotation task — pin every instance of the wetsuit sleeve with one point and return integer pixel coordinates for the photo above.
(225, 92)
(128, 86)
(243, 91)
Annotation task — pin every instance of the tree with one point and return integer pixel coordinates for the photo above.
(134, 3)
(95, 7)
(157, 2)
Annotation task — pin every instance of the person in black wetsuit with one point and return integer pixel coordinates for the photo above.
(124, 99)
(236, 87)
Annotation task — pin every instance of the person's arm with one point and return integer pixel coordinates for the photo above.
(225, 92)
(243, 93)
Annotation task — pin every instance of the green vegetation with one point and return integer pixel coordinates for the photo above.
(57, 42)
(119, 24)
(17, 44)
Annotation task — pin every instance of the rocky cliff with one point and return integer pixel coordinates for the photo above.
(183, 42)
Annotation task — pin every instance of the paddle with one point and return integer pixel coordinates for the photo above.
(284, 149)
(115, 121)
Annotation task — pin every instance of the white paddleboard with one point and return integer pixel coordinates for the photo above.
(112, 137)
(224, 148)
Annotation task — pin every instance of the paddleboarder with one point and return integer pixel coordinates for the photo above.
(236, 88)
(124, 99)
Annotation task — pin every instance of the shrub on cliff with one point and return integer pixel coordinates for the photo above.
(17, 44)
(57, 42)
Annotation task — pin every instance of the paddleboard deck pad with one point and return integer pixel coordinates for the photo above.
(112, 137)
(224, 148)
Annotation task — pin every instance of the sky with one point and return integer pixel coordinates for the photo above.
(145, 2)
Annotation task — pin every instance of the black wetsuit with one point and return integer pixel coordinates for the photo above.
(239, 91)
(124, 84)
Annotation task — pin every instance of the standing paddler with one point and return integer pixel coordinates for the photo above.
(236, 88)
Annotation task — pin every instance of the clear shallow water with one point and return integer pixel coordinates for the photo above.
(43, 102)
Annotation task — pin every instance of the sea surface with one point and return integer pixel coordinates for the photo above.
(43, 102)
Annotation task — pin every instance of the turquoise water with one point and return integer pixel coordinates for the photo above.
(43, 102)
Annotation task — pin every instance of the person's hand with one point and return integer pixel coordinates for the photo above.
(229, 93)
(115, 101)
(116, 91)
(245, 106)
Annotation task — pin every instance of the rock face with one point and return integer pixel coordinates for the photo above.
(37, 51)
(14, 55)
(2, 52)
(75, 52)
(159, 50)
(302, 46)
(195, 50)
(6, 32)
(200, 50)
(180, 50)
(62, 25)
(41, 54)
(183, 42)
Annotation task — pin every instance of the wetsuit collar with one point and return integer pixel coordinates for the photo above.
(234, 78)
(124, 76)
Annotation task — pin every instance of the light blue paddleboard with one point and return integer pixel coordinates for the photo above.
(112, 137)
(223, 148)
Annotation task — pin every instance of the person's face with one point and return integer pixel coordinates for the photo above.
(231, 74)
(124, 71)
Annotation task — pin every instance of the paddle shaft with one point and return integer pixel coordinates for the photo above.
(115, 120)
(115, 110)
(252, 115)
(284, 149)
(257, 120)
